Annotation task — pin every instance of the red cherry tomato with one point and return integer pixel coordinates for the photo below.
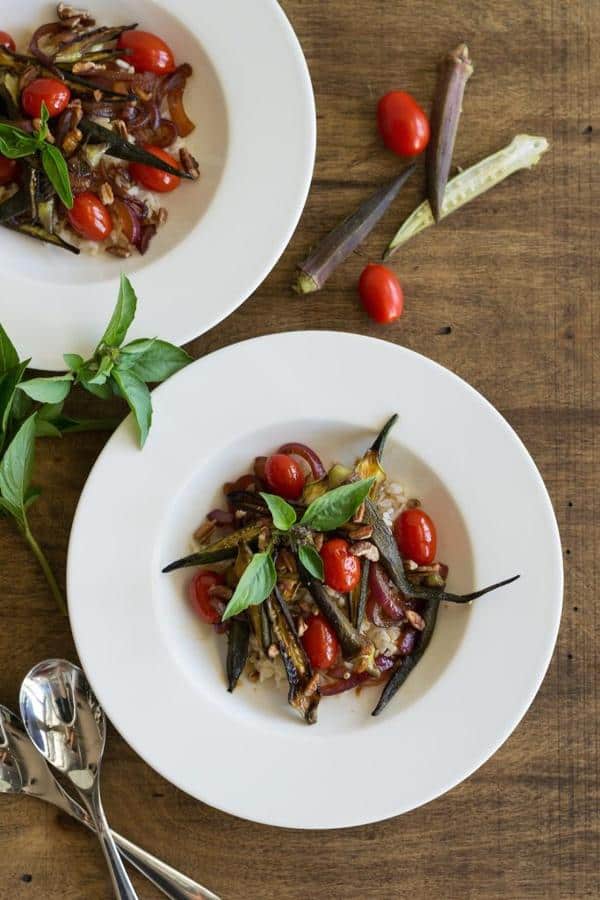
(381, 294)
(402, 123)
(416, 536)
(89, 217)
(320, 642)
(200, 598)
(342, 570)
(54, 93)
(156, 179)
(7, 41)
(9, 169)
(148, 53)
(284, 476)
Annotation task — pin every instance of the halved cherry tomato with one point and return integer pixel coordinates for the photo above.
(342, 570)
(155, 179)
(9, 169)
(320, 642)
(381, 294)
(89, 217)
(284, 476)
(54, 93)
(148, 52)
(402, 123)
(200, 598)
(416, 536)
(7, 41)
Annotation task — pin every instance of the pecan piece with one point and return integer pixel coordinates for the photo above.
(188, 163)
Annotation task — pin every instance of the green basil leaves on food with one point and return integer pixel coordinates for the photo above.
(48, 390)
(311, 560)
(336, 507)
(16, 143)
(254, 586)
(283, 515)
(122, 316)
(55, 167)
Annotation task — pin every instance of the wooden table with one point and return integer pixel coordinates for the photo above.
(515, 277)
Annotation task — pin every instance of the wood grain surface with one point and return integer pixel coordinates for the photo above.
(515, 277)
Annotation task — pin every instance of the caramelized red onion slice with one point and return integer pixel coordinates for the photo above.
(308, 454)
(163, 136)
(221, 517)
(385, 595)
(183, 123)
(125, 218)
(340, 685)
(47, 56)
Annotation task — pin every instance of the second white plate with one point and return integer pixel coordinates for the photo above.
(159, 673)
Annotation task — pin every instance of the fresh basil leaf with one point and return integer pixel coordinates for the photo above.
(103, 391)
(254, 586)
(22, 406)
(42, 134)
(48, 390)
(160, 361)
(8, 387)
(55, 167)
(104, 369)
(131, 353)
(73, 361)
(311, 560)
(32, 494)
(50, 411)
(138, 399)
(16, 466)
(8, 355)
(122, 316)
(282, 513)
(335, 508)
(46, 429)
(15, 143)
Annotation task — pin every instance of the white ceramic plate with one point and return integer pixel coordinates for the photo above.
(159, 673)
(252, 100)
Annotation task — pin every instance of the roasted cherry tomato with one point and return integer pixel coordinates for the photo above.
(342, 570)
(381, 294)
(402, 123)
(7, 41)
(89, 217)
(156, 179)
(54, 93)
(200, 599)
(148, 53)
(9, 169)
(284, 476)
(320, 642)
(416, 536)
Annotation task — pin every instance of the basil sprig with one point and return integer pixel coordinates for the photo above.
(16, 144)
(35, 407)
(326, 513)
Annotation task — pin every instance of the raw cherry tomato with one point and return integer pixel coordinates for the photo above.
(284, 476)
(320, 642)
(381, 294)
(416, 536)
(89, 217)
(155, 179)
(149, 53)
(342, 570)
(200, 599)
(54, 93)
(7, 41)
(402, 123)
(8, 170)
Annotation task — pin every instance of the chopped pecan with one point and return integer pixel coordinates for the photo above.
(204, 530)
(273, 651)
(358, 532)
(415, 619)
(188, 163)
(359, 515)
(74, 16)
(71, 141)
(120, 127)
(366, 549)
(87, 67)
(318, 540)
(286, 562)
(123, 251)
(106, 193)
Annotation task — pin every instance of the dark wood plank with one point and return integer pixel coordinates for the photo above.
(516, 277)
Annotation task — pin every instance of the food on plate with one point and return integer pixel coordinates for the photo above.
(402, 124)
(92, 129)
(325, 577)
(337, 246)
(523, 152)
(381, 293)
(455, 70)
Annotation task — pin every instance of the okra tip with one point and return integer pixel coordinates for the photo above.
(304, 284)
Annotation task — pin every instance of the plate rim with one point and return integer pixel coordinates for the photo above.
(550, 643)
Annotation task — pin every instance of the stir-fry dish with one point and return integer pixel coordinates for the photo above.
(327, 578)
(92, 123)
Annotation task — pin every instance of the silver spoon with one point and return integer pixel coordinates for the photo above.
(24, 770)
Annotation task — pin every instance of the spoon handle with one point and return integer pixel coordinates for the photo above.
(123, 887)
